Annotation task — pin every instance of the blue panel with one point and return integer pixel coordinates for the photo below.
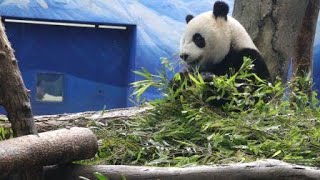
(99, 55)
(95, 63)
(82, 95)
(316, 69)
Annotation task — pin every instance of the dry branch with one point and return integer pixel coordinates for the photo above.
(14, 96)
(53, 122)
(263, 169)
(48, 148)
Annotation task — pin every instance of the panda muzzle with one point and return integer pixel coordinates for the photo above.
(184, 56)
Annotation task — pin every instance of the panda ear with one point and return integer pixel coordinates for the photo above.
(188, 18)
(220, 9)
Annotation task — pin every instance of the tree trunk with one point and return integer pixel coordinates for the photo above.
(14, 97)
(263, 169)
(303, 55)
(49, 148)
(13, 94)
(302, 61)
(274, 26)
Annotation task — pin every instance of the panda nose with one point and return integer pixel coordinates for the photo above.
(184, 56)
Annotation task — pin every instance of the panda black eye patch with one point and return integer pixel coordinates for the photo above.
(199, 40)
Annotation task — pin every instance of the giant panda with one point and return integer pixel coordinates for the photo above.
(214, 43)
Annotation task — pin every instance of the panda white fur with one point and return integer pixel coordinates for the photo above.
(215, 42)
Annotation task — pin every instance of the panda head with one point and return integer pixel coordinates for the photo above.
(210, 36)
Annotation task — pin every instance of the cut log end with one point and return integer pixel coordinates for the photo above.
(48, 148)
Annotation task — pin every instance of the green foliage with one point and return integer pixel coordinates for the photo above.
(99, 176)
(182, 129)
(159, 81)
(5, 133)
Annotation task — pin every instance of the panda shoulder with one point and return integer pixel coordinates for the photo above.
(240, 37)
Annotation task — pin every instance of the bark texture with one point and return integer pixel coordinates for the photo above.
(303, 54)
(83, 119)
(265, 169)
(49, 148)
(13, 94)
(14, 97)
(274, 26)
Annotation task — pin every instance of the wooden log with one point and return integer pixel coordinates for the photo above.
(15, 98)
(48, 148)
(82, 119)
(263, 169)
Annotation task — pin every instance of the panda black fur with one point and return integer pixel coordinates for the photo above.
(215, 42)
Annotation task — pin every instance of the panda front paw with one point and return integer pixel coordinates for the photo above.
(207, 76)
(175, 82)
(184, 76)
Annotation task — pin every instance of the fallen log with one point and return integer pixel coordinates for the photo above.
(48, 148)
(82, 119)
(263, 169)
